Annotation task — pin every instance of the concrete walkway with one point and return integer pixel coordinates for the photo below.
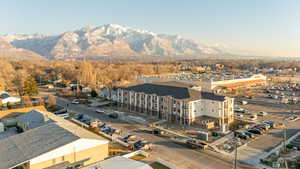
(223, 139)
(252, 156)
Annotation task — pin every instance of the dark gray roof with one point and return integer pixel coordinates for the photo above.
(32, 119)
(212, 96)
(177, 90)
(32, 143)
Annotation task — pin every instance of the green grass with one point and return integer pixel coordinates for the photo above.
(157, 165)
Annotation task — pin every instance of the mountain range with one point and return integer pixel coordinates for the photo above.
(107, 41)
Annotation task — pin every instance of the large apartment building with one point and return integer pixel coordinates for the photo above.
(176, 102)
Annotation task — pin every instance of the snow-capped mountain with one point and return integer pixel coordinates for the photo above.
(7, 51)
(108, 41)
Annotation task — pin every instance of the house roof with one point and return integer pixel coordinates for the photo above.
(178, 90)
(32, 119)
(20, 148)
(118, 162)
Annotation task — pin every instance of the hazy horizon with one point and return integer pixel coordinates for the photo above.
(264, 28)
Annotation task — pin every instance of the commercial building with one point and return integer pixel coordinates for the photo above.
(176, 102)
(253, 80)
(56, 143)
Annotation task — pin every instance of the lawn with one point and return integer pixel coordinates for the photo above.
(157, 165)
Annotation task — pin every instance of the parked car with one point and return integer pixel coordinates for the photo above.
(106, 129)
(252, 117)
(262, 113)
(268, 126)
(239, 116)
(250, 135)
(255, 131)
(239, 110)
(99, 111)
(75, 101)
(157, 131)
(196, 144)
(240, 135)
(270, 123)
(138, 145)
(262, 125)
(260, 128)
(113, 115)
(244, 102)
(128, 138)
(83, 118)
(62, 113)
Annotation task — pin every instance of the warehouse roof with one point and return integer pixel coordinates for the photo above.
(20, 148)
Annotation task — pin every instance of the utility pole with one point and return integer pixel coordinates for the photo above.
(235, 156)
(236, 153)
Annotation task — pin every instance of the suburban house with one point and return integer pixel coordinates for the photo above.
(177, 102)
(57, 143)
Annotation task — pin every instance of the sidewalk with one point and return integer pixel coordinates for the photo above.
(252, 156)
(222, 139)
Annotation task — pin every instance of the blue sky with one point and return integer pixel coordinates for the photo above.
(260, 27)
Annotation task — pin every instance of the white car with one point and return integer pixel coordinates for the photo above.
(75, 101)
(100, 111)
(12, 100)
(239, 116)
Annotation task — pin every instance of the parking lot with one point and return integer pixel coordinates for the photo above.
(285, 117)
(163, 147)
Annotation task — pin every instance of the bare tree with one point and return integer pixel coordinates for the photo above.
(51, 100)
(26, 101)
(40, 101)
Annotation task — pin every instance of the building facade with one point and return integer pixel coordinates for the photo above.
(254, 80)
(175, 102)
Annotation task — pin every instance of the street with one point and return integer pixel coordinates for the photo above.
(164, 148)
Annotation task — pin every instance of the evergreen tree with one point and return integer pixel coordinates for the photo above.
(94, 93)
(30, 86)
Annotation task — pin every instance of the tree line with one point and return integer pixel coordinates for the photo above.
(21, 76)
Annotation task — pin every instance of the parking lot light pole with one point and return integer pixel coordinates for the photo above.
(235, 156)
(236, 153)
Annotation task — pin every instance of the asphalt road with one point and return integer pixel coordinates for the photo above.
(164, 148)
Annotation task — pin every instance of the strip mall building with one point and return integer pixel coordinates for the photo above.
(254, 80)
